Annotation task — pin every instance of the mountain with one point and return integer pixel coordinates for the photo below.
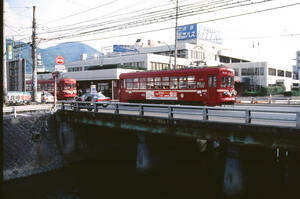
(71, 51)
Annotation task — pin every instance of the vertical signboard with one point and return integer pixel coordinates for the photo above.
(9, 52)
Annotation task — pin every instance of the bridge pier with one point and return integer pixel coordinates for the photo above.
(143, 161)
(233, 178)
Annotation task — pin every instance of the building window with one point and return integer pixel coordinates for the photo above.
(251, 71)
(236, 72)
(280, 73)
(288, 74)
(272, 71)
(261, 71)
(244, 71)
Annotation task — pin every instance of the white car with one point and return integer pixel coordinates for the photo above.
(47, 98)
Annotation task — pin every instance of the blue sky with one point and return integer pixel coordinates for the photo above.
(276, 32)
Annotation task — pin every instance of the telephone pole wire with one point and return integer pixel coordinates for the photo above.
(34, 61)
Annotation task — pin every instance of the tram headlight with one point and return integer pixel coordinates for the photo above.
(226, 93)
(234, 92)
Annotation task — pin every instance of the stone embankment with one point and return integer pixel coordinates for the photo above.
(30, 145)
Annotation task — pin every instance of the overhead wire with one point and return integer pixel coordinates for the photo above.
(150, 21)
(206, 21)
(78, 13)
(124, 17)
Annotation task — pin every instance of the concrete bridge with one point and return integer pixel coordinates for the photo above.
(248, 126)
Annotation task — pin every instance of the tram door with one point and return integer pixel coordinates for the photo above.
(212, 90)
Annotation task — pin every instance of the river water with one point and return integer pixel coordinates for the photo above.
(231, 172)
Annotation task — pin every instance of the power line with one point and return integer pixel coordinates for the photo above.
(200, 22)
(62, 18)
(142, 19)
(123, 17)
(148, 21)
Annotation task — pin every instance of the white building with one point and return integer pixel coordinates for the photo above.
(263, 74)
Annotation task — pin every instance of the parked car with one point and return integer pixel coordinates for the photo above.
(93, 97)
(48, 98)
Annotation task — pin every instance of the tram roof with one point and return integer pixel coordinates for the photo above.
(174, 71)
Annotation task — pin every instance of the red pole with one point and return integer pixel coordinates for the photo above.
(54, 90)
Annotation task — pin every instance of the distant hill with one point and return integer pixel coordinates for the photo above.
(70, 51)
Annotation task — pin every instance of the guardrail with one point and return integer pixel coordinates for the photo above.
(17, 109)
(205, 113)
(267, 100)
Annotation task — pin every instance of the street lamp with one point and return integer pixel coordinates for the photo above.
(170, 52)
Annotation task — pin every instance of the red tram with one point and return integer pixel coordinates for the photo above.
(206, 86)
(66, 87)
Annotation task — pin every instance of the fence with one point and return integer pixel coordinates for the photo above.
(16, 110)
(201, 112)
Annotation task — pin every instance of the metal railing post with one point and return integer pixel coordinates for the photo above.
(95, 108)
(116, 109)
(141, 110)
(247, 116)
(15, 112)
(205, 114)
(170, 112)
(298, 120)
(77, 106)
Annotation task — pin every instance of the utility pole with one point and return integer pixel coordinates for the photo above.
(34, 70)
(4, 68)
(176, 21)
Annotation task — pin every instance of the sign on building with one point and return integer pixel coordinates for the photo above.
(124, 48)
(187, 32)
(9, 52)
(194, 32)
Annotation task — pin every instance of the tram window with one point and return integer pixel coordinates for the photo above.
(209, 81)
(182, 82)
(165, 83)
(200, 84)
(223, 82)
(150, 83)
(142, 83)
(230, 81)
(174, 83)
(129, 83)
(191, 82)
(157, 84)
(136, 83)
(123, 83)
(214, 81)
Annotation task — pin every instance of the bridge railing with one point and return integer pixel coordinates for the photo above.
(244, 115)
(16, 110)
